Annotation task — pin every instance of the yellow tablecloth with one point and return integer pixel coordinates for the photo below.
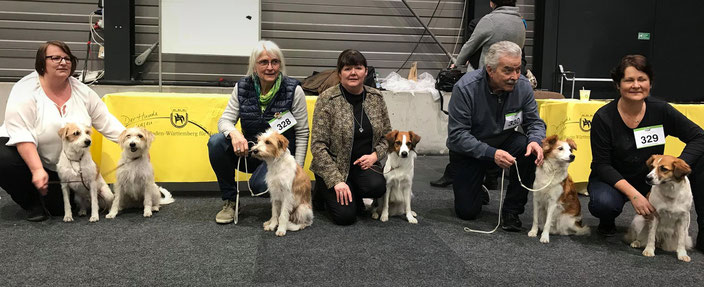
(182, 125)
(572, 119)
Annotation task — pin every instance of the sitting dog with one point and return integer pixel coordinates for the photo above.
(671, 195)
(135, 175)
(289, 186)
(556, 204)
(78, 172)
(398, 173)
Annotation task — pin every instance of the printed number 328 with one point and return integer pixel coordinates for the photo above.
(283, 124)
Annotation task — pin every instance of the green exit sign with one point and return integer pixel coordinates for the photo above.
(643, 36)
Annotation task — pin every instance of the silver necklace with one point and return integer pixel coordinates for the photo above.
(361, 116)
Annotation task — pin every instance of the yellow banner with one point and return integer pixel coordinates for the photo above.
(182, 125)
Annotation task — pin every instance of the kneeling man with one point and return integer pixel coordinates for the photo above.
(486, 108)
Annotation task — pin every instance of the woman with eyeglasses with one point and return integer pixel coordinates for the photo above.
(347, 142)
(38, 106)
(265, 98)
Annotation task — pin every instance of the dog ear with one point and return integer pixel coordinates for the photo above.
(649, 162)
(414, 138)
(549, 141)
(391, 138)
(681, 169)
(63, 131)
(282, 141)
(571, 143)
(122, 137)
(148, 134)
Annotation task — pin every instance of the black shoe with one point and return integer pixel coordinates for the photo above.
(607, 228)
(485, 197)
(511, 222)
(491, 184)
(36, 214)
(444, 181)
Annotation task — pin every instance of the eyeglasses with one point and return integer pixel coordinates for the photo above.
(57, 59)
(274, 63)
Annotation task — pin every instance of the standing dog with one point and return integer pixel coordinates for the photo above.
(671, 195)
(398, 172)
(556, 205)
(78, 172)
(288, 185)
(135, 175)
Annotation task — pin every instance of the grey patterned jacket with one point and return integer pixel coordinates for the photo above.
(333, 132)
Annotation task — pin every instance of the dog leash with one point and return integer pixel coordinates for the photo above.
(237, 184)
(501, 203)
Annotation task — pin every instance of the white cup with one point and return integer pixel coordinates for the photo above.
(584, 95)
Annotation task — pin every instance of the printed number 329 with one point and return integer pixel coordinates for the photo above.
(648, 139)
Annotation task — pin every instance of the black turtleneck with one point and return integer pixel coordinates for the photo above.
(362, 143)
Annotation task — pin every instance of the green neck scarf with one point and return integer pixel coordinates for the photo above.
(265, 99)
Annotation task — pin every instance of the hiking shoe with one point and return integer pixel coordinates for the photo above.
(36, 214)
(607, 228)
(227, 214)
(511, 222)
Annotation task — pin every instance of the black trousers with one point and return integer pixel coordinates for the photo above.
(362, 183)
(470, 172)
(16, 180)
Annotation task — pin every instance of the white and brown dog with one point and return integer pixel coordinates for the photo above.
(135, 184)
(671, 195)
(289, 186)
(398, 173)
(79, 173)
(556, 205)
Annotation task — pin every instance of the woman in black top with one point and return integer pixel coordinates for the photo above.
(620, 146)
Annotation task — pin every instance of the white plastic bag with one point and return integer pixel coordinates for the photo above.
(426, 83)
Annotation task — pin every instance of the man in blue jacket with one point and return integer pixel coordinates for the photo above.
(486, 108)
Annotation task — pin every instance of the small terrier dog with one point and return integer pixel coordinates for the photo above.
(671, 195)
(135, 175)
(288, 185)
(398, 173)
(78, 172)
(556, 205)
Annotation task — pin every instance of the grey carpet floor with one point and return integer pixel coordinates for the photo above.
(183, 246)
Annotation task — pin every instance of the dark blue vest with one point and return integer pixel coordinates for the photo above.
(253, 121)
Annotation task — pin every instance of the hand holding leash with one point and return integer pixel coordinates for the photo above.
(366, 161)
(40, 179)
(239, 143)
(503, 159)
(344, 195)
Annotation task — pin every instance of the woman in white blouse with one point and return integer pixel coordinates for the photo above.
(38, 106)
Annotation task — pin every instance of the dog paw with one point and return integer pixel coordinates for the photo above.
(533, 233)
(412, 219)
(384, 218)
(414, 213)
(375, 215)
(110, 215)
(636, 244)
(155, 208)
(82, 212)
(684, 257)
(148, 213)
(648, 252)
(544, 239)
(270, 225)
(94, 218)
(68, 218)
(281, 232)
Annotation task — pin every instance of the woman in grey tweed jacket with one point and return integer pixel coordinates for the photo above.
(347, 141)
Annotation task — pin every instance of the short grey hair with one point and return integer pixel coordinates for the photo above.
(498, 49)
(268, 47)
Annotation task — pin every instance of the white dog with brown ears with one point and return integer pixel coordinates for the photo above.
(79, 173)
(671, 195)
(135, 184)
(289, 186)
(555, 202)
(398, 173)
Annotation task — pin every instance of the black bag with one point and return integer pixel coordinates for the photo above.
(370, 79)
(447, 78)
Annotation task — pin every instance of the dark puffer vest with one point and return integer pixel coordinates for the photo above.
(253, 121)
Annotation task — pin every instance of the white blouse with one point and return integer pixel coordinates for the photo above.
(30, 116)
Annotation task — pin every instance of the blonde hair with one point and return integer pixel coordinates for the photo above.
(268, 47)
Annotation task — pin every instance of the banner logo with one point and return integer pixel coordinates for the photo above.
(585, 124)
(179, 118)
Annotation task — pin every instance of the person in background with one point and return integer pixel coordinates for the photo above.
(264, 94)
(486, 107)
(347, 142)
(618, 160)
(38, 106)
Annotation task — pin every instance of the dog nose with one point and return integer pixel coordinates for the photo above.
(132, 144)
(87, 142)
(571, 157)
(404, 154)
(649, 179)
(254, 151)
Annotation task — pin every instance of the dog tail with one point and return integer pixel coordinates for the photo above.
(168, 198)
(303, 215)
(581, 229)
